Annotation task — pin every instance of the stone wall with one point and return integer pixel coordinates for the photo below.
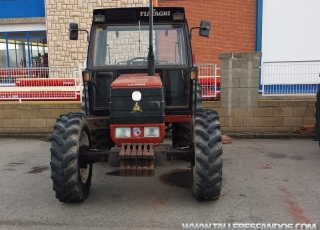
(33, 117)
(268, 116)
(59, 14)
(242, 109)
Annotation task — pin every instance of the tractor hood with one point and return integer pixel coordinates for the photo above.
(140, 80)
(136, 99)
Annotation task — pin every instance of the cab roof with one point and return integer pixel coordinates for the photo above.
(160, 14)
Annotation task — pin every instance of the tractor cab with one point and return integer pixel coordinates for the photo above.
(119, 44)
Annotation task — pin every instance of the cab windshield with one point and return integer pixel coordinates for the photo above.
(128, 45)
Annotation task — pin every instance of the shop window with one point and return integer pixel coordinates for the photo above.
(16, 52)
(3, 51)
(23, 49)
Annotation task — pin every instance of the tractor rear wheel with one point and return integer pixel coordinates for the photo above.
(85, 100)
(71, 177)
(183, 130)
(198, 99)
(207, 165)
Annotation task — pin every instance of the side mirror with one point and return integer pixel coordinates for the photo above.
(205, 27)
(74, 29)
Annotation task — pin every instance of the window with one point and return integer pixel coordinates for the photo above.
(23, 49)
(129, 44)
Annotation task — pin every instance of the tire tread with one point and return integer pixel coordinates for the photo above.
(64, 158)
(207, 171)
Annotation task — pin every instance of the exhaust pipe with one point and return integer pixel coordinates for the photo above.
(151, 70)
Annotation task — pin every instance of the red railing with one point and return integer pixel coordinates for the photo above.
(209, 81)
(53, 83)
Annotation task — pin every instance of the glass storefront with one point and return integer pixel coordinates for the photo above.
(23, 49)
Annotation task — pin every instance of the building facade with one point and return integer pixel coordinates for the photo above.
(233, 26)
(27, 37)
(23, 40)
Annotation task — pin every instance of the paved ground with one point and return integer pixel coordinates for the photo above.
(266, 181)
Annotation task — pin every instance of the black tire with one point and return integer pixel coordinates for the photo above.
(198, 99)
(207, 168)
(100, 138)
(184, 134)
(85, 100)
(183, 130)
(71, 177)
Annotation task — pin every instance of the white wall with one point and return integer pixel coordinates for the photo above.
(22, 27)
(291, 30)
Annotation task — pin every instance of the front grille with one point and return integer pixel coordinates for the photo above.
(150, 109)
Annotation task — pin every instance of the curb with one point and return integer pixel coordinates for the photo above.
(45, 136)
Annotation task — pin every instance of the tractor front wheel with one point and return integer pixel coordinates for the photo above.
(207, 165)
(71, 177)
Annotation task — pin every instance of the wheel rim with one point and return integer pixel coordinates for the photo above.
(85, 171)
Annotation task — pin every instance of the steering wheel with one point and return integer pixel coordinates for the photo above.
(143, 60)
(158, 62)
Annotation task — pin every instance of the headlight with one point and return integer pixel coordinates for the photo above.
(151, 131)
(99, 18)
(123, 132)
(178, 17)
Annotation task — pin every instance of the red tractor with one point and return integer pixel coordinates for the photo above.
(139, 83)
